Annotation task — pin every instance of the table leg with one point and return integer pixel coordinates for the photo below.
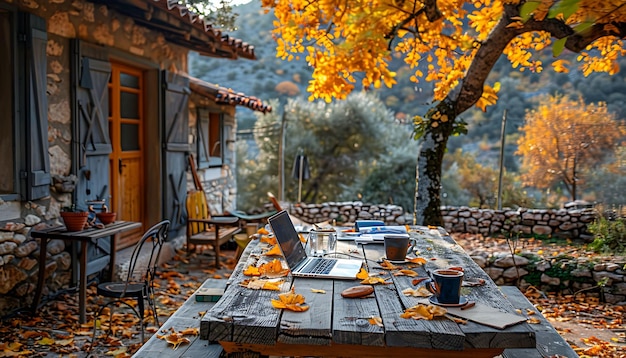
(82, 292)
(112, 262)
(43, 246)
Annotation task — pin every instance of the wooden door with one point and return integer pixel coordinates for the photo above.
(126, 161)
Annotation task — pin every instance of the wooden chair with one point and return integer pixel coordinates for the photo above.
(274, 201)
(205, 229)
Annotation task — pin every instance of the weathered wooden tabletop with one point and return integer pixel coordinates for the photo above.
(244, 319)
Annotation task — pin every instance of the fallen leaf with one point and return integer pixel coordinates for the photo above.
(273, 268)
(362, 274)
(417, 292)
(376, 321)
(417, 260)
(117, 352)
(290, 301)
(315, 290)
(191, 331)
(421, 311)
(418, 280)
(373, 280)
(274, 251)
(406, 272)
(262, 284)
(252, 271)
(388, 265)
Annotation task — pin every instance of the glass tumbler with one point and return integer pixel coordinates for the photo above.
(322, 242)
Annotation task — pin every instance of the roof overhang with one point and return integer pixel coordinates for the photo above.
(222, 95)
(181, 26)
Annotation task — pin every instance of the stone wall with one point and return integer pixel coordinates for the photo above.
(560, 223)
(605, 278)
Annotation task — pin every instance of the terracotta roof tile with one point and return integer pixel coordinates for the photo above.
(182, 26)
(238, 46)
(225, 95)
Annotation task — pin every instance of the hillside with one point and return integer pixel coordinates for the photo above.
(270, 77)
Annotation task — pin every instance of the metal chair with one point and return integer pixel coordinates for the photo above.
(139, 283)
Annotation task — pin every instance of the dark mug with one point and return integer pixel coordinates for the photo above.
(397, 246)
(446, 285)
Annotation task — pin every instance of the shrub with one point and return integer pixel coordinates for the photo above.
(609, 235)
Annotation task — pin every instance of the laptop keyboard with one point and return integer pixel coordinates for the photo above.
(319, 266)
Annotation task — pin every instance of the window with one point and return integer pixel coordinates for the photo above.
(210, 138)
(24, 107)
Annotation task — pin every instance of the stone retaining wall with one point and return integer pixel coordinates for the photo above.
(560, 223)
(563, 274)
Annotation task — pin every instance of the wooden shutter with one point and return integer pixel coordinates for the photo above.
(91, 132)
(36, 173)
(92, 144)
(175, 146)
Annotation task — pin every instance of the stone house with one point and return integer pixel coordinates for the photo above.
(97, 105)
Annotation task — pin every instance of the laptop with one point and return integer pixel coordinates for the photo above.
(299, 263)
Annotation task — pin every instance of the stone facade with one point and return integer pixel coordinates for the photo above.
(94, 24)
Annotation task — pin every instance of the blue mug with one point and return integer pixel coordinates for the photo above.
(446, 285)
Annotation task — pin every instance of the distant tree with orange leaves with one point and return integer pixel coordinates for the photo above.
(452, 43)
(563, 140)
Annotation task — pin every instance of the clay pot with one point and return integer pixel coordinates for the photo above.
(74, 221)
(106, 218)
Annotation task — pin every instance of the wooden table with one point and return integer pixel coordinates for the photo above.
(84, 236)
(244, 319)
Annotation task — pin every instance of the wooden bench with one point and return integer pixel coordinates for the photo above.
(187, 316)
(549, 342)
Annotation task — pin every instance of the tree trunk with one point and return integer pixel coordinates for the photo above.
(429, 164)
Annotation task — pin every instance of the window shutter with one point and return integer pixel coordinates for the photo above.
(36, 173)
(175, 146)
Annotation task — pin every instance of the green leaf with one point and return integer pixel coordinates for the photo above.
(527, 8)
(582, 27)
(558, 46)
(565, 7)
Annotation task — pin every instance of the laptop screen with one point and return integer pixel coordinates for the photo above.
(287, 238)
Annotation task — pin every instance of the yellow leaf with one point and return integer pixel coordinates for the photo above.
(376, 321)
(262, 284)
(387, 265)
(418, 292)
(290, 301)
(45, 341)
(421, 311)
(406, 272)
(252, 271)
(117, 352)
(191, 331)
(417, 260)
(362, 274)
(373, 280)
(176, 339)
(274, 251)
(271, 240)
(64, 342)
(314, 290)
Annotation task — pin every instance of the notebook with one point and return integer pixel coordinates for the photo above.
(299, 263)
